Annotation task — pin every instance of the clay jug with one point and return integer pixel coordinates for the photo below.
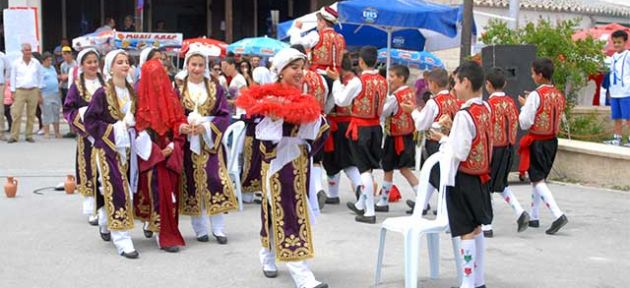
(70, 184)
(10, 188)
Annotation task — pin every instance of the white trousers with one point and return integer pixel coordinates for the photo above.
(200, 224)
(121, 239)
(89, 203)
(300, 272)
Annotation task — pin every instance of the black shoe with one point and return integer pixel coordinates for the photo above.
(411, 205)
(488, 234)
(354, 209)
(357, 192)
(522, 222)
(270, 274)
(381, 208)
(221, 239)
(333, 200)
(257, 198)
(534, 223)
(365, 219)
(148, 233)
(203, 238)
(321, 199)
(131, 255)
(30, 140)
(11, 140)
(171, 249)
(69, 135)
(556, 225)
(321, 285)
(482, 286)
(106, 236)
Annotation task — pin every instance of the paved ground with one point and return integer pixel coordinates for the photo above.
(46, 242)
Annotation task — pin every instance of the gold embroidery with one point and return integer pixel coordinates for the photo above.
(77, 123)
(105, 137)
(206, 107)
(264, 238)
(248, 151)
(225, 200)
(84, 182)
(112, 100)
(121, 218)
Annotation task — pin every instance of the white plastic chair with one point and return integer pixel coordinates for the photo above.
(414, 226)
(234, 134)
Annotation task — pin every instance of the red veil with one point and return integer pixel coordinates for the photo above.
(280, 100)
(158, 105)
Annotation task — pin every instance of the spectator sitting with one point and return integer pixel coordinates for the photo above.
(128, 24)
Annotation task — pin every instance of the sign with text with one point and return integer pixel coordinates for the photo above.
(138, 41)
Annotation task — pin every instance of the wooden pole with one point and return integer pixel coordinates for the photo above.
(228, 21)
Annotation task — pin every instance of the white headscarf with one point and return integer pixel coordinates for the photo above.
(109, 60)
(262, 75)
(284, 57)
(192, 52)
(181, 75)
(79, 67)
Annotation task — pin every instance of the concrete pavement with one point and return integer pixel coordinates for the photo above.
(46, 242)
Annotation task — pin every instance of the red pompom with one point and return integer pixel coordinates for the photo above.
(279, 100)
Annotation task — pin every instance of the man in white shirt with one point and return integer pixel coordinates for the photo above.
(235, 81)
(620, 87)
(26, 81)
(2, 75)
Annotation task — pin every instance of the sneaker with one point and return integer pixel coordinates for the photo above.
(40, 132)
(557, 224)
(615, 142)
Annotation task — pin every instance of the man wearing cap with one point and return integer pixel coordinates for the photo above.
(326, 45)
(65, 68)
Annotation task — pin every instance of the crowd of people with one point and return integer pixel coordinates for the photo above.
(149, 142)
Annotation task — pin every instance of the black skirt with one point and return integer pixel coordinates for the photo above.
(406, 159)
(468, 204)
(543, 153)
(366, 151)
(340, 158)
(502, 158)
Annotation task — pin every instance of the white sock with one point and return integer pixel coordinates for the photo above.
(333, 185)
(545, 195)
(200, 224)
(486, 227)
(427, 195)
(511, 200)
(534, 215)
(316, 178)
(384, 198)
(218, 224)
(415, 190)
(367, 195)
(301, 274)
(353, 174)
(480, 249)
(468, 255)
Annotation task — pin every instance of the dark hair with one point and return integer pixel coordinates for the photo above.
(400, 71)
(249, 70)
(152, 53)
(299, 47)
(87, 54)
(473, 72)
(346, 62)
(496, 77)
(439, 76)
(543, 66)
(46, 55)
(230, 60)
(369, 55)
(620, 34)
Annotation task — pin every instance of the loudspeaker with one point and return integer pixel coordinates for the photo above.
(516, 62)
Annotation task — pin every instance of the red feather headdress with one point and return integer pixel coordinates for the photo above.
(279, 100)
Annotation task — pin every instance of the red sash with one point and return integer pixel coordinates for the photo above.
(355, 123)
(399, 144)
(329, 145)
(524, 151)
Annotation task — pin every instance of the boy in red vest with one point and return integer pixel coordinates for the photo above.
(504, 125)
(541, 113)
(366, 98)
(468, 150)
(442, 103)
(399, 150)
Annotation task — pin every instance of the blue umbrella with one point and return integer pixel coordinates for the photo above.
(261, 46)
(413, 59)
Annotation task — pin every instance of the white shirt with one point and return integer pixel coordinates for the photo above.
(236, 84)
(497, 94)
(424, 118)
(197, 93)
(308, 41)
(2, 68)
(26, 75)
(620, 75)
(344, 94)
(91, 85)
(528, 111)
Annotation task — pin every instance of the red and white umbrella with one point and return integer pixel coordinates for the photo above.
(212, 47)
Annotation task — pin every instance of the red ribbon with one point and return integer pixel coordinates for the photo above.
(524, 151)
(399, 144)
(355, 123)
